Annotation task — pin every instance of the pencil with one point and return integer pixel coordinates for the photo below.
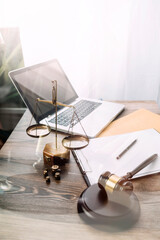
(126, 149)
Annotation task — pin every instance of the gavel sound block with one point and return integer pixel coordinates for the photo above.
(112, 200)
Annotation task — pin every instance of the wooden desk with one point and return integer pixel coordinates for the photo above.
(30, 209)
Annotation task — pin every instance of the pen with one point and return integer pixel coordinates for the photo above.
(126, 149)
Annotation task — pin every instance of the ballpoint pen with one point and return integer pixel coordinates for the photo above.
(126, 149)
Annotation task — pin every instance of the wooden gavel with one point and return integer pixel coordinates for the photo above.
(111, 182)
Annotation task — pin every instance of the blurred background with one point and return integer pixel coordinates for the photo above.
(11, 105)
(110, 47)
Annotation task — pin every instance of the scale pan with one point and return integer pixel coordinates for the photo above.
(75, 142)
(38, 130)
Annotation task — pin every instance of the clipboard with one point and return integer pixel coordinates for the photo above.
(101, 155)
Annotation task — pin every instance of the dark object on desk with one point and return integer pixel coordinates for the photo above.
(56, 172)
(48, 180)
(55, 168)
(45, 173)
(57, 176)
(121, 210)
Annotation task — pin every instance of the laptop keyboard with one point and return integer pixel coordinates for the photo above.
(83, 108)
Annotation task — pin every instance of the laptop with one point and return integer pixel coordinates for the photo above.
(36, 82)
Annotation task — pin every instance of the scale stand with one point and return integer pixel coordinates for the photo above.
(55, 153)
(55, 156)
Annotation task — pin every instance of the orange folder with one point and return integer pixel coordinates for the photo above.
(139, 120)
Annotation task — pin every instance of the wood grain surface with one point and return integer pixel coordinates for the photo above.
(31, 209)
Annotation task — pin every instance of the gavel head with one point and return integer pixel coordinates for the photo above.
(111, 183)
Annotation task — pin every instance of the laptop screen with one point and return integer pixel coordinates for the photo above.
(36, 82)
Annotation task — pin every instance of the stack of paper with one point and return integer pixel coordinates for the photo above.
(101, 154)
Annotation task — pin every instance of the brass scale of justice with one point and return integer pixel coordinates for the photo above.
(99, 201)
(72, 142)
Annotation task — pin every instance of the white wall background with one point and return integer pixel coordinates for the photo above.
(109, 49)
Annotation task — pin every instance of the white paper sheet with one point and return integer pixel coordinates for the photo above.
(100, 155)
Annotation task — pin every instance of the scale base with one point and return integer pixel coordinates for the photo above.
(55, 156)
(96, 209)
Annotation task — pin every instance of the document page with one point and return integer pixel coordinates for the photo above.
(101, 154)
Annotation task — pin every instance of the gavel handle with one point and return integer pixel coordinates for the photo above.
(141, 166)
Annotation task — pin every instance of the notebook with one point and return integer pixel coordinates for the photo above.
(101, 155)
(36, 82)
